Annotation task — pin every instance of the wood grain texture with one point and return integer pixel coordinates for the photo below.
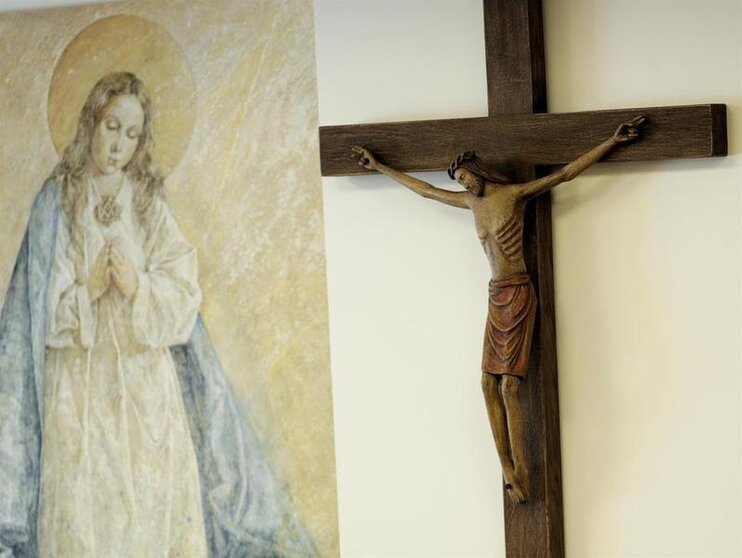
(526, 139)
(509, 26)
(516, 84)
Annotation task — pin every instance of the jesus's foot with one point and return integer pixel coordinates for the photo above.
(515, 493)
(512, 486)
(517, 486)
(508, 472)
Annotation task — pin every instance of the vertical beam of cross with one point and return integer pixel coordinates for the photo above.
(516, 83)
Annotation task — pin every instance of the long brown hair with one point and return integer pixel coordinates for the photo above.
(141, 169)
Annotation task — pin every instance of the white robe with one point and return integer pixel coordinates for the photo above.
(119, 470)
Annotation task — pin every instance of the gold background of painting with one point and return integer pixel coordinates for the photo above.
(246, 192)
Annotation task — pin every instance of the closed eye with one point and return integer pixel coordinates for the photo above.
(112, 125)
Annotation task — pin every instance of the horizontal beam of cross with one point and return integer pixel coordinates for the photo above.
(526, 139)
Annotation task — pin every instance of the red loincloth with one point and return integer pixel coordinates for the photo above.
(510, 320)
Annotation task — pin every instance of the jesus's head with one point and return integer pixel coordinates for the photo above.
(471, 172)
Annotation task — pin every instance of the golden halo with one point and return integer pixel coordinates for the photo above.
(131, 44)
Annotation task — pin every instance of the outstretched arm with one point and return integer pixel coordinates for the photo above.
(628, 131)
(367, 160)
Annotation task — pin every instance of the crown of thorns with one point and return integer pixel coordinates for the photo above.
(456, 163)
(469, 160)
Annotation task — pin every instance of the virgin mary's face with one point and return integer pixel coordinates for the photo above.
(116, 135)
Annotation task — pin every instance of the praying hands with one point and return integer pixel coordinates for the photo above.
(113, 267)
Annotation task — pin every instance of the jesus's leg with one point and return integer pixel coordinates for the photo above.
(509, 387)
(498, 423)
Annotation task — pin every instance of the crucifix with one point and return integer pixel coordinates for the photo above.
(498, 207)
(518, 137)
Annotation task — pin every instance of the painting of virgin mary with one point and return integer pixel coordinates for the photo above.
(120, 433)
(112, 288)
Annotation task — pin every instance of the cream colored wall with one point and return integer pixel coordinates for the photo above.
(648, 263)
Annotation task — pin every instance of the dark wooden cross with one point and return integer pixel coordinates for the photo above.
(519, 136)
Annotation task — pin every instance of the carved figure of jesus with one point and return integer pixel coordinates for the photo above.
(498, 206)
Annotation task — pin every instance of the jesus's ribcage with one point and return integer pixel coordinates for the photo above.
(509, 237)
